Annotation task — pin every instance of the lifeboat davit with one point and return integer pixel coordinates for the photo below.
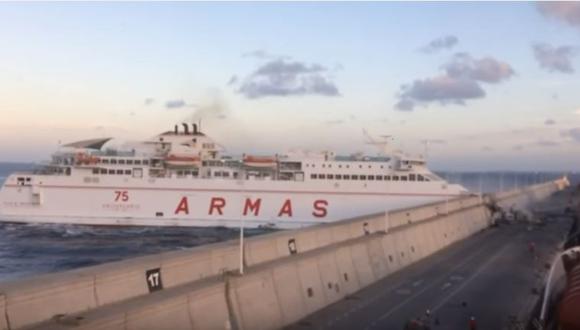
(260, 161)
(182, 160)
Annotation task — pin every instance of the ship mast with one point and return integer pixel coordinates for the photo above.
(383, 144)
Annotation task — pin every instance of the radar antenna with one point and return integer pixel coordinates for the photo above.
(383, 143)
(426, 145)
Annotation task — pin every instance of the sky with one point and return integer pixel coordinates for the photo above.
(474, 85)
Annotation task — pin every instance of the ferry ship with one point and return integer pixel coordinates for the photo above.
(182, 177)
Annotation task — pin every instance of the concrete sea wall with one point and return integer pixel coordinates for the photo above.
(288, 274)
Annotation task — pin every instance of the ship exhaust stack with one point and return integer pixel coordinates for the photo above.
(194, 128)
(186, 128)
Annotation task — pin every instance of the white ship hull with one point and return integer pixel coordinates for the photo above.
(155, 183)
(205, 202)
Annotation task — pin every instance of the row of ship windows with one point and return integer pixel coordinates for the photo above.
(124, 161)
(97, 171)
(410, 177)
(186, 173)
(340, 166)
(224, 174)
(138, 172)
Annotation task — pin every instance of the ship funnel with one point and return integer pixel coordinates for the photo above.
(194, 127)
(186, 128)
(176, 129)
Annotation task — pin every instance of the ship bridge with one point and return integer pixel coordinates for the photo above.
(184, 142)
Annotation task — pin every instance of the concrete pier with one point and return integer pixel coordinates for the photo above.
(288, 275)
(492, 276)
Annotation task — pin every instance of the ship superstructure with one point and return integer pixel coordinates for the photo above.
(183, 178)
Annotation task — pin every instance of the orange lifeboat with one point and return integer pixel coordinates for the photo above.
(93, 160)
(79, 158)
(260, 161)
(85, 159)
(182, 160)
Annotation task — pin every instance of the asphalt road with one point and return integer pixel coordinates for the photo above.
(490, 276)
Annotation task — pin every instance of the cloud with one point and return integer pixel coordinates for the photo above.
(437, 141)
(549, 122)
(460, 81)
(285, 67)
(233, 80)
(259, 53)
(547, 143)
(263, 55)
(566, 11)
(405, 103)
(281, 77)
(444, 89)
(505, 134)
(518, 147)
(487, 69)
(334, 122)
(434, 141)
(486, 148)
(573, 133)
(441, 43)
(175, 104)
(149, 101)
(554, 58)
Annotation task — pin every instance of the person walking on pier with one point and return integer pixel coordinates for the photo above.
(532, 249)
(472, 324)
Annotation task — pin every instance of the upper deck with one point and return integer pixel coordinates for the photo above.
(191, 154)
